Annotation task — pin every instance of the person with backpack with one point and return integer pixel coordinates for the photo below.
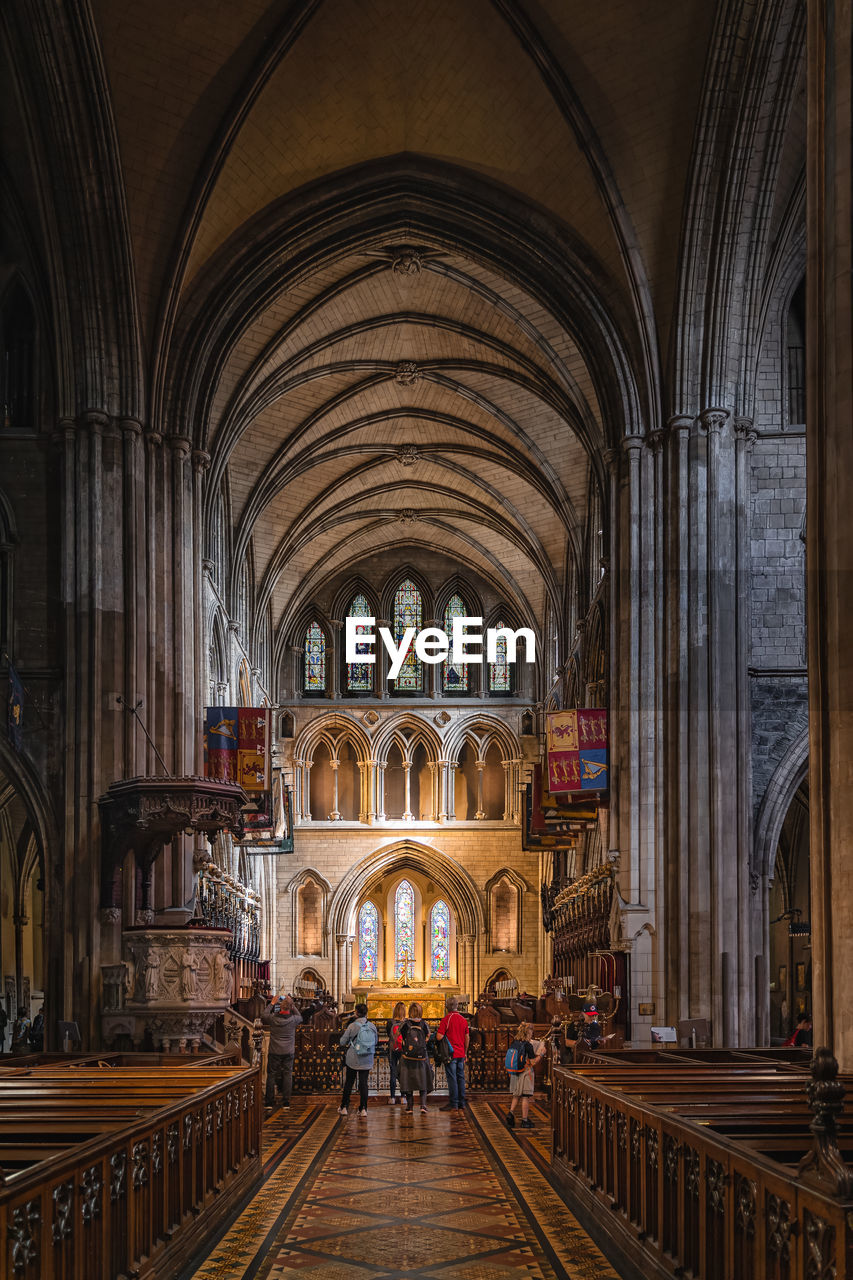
(360, 1040)
(453, 1029)
(395, 1045)
(415, 1071)
(520, 1057)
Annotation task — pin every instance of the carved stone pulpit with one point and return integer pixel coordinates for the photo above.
(176, 983)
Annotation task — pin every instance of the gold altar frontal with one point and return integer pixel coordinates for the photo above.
(380, 1001)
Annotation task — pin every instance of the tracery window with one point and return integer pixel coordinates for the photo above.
(439, 932)
(455, 678)
(315, 659)
(500, 672)
(368, 942)
(360, 674)
(408, 612)
(404, 928)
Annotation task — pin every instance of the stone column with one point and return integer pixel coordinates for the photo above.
(829, 547)
(334, 816)
(468, 983)
(481, 813)
(340, 973)
(407, 791)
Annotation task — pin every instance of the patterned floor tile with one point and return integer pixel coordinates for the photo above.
(394, 1197)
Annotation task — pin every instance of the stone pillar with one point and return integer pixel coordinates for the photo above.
(829, 547)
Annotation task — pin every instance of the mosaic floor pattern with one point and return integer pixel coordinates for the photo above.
(453, 1197)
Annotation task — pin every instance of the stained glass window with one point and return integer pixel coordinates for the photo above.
(408, 612)
(360, 674)
(439, 932)
(404, 928)
(455, 678)
(500, 672)
(315, 659)
(368, 942)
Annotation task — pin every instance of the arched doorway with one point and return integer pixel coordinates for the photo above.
(789, 920)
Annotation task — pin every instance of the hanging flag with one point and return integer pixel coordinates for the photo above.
(577, 745)
(221, 741)
(16, 709)
(253, 754)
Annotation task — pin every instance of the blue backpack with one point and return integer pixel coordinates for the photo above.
(365, 1040)
(516, 1057)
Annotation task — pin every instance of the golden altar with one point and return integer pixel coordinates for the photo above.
(380, 1001)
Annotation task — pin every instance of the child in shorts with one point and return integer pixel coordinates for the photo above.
(521, 1080)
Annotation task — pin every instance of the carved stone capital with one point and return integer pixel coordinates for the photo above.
(110, 915)
(745, 432)
(633, 444)
(680, 422)
(713, 420)
(181, 446)
(130, 427)
(655, 439)
(201, 461)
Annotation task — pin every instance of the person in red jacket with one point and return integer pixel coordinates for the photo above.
(455, 1027)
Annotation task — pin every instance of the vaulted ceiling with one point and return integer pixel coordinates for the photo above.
(440, 376)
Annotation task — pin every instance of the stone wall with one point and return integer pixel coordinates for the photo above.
(778, 586)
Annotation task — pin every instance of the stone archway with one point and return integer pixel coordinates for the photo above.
(399, 856)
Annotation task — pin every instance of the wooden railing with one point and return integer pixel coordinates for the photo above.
(684, 1200)
(137, 1200)
(318, 1062)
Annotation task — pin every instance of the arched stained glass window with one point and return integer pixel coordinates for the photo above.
(404, 928)
(360, 674)
(368, 942)
(455, 678)
(500, 672)
(439, 934)
(315, 659)
(408, 612)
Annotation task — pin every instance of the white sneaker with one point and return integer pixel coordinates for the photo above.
(342, 1111)
(362, 1115)
(392, 1102)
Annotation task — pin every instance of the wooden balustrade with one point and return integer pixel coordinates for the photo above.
(693, 1171)
(121, 1171)
(318, 1061)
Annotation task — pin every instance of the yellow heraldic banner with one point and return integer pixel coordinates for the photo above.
(577, 744)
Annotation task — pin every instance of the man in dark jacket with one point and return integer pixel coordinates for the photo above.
(282, 1017)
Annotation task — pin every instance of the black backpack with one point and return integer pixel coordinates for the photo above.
(414, 1042)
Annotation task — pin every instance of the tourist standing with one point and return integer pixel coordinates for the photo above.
(282, 1017)
(360, 1040)
(395, 1045)
(415, 1073)
(520, 1057)
(456, 1029)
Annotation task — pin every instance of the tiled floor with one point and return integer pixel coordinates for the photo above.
(454, 1197)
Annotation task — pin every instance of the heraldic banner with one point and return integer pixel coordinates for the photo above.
(237, 746)
(577, 745)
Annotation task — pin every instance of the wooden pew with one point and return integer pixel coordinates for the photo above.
(695, 1163)
(121, 1169)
